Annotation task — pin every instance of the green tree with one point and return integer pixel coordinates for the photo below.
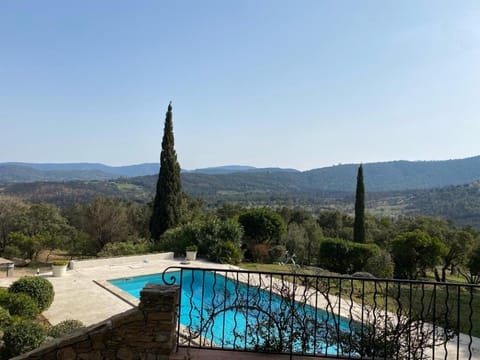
(107, 221)
(345, 257)
(359, 223)
(459, 245)
(12, 218)
(471, 270)
(414, 252)
(168, 197)
(261, 226)
(335, 224)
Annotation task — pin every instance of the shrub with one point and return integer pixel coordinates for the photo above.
(124, 248)
(333, 255)
(260, 252)
(12, 251)
(64, 327)
(177, 239)
(191, 248)
(5, 318)
(60, 263)
(19, 304)
(38, 288)
(225, 252)
(278, 253)
(343, 256)
(22, 337)
(380, 265)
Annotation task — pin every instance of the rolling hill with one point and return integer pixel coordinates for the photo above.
(380, 176)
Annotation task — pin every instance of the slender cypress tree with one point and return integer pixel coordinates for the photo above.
(168, 197)
(359, 225)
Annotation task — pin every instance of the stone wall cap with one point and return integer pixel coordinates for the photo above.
(156, 288)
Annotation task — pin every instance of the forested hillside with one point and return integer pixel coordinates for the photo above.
(385, 176)
(459, 203)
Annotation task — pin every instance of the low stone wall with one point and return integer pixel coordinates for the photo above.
(122, 260)
(147, 332)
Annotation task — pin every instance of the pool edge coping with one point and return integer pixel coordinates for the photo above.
(119, 293)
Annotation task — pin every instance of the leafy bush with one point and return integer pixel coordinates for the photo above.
(64, 327)
(38, 288)
(12, 251)
(125, 248)
(191, 248)
(260, 253)
(179, 238)
(225, 252)
(346, 257)
(278, 253)
(380, 265)
(60, 263)
(204, 234)
(22, 337)
(5, 318)
(19, 304)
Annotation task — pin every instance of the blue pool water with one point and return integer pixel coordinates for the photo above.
(233, 328)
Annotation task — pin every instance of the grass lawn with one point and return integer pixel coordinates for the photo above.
(424, 299)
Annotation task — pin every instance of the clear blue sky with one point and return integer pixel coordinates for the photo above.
(300, 84)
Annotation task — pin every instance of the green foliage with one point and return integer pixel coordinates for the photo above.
(5, 318)
(64, 327)
(414, 252)
(107, 221)
(359, 223)
(205, 234)
(344, 256)
(458, 246)
(125, 248)
(24, 246)
(191, 248)
(229, 211)
(177, 239)
(81, 244)
(261, 226)
(13, 214)
(12, 251)
(302, 241)
(226, 252)
(278, 253)
(168, 197)
(380, 265)
(19, 304)
(335, 224)
(471, 271)
(474, 262)
(22, 337)
(60, 263)
(38, 288)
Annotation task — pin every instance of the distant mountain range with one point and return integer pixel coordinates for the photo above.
(29, 172)
(380, 176)
(450, 189)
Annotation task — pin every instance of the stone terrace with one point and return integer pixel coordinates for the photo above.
(79, 296)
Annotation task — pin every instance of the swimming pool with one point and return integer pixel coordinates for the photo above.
(234, 314)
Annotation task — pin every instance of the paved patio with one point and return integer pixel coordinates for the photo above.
(79, 296)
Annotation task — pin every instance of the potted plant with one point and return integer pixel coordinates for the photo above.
(59, 267)
(191, 251)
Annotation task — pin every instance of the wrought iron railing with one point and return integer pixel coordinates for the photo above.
(302, 313)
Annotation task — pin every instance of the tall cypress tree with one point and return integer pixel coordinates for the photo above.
(167, 203)
(359, 225)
